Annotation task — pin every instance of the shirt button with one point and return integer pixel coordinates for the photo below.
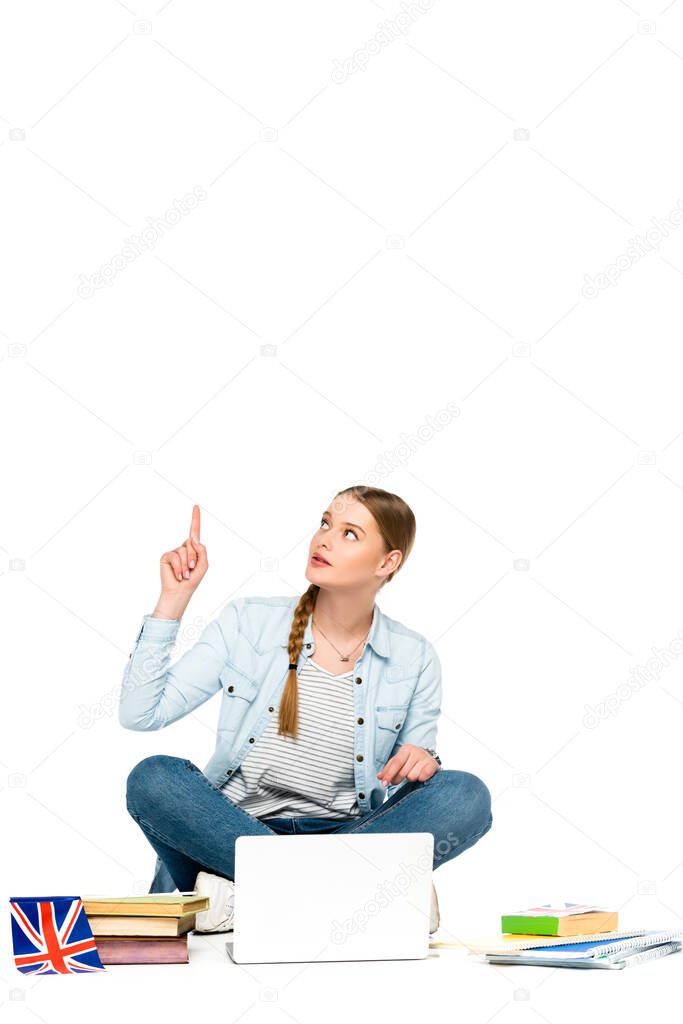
(362, 796)
(308, 645)
(229, 771)
(358, 679)
(230, 689)
(271, 709)
(359, 757)
(251, 739)
(360, 720)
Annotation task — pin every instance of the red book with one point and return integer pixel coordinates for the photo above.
(149, 949)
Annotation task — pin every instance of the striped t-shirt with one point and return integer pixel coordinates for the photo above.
(311, 775)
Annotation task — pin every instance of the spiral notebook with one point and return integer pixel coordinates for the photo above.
(520, 943)
(608, 954)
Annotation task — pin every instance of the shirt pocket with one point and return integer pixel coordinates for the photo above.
(238, 686)
(388, 721)
(398, 673)
(396, 687)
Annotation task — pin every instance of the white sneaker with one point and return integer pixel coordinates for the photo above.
(221, 893)
(434, 916)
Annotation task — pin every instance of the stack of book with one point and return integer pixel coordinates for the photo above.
(582, 936)
(563, 919)
(149, 929)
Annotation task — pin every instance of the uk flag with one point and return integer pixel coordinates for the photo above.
(52, 935)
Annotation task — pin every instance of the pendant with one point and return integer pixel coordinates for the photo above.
(343, 658)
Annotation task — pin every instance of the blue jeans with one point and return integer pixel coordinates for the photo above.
(193, 826)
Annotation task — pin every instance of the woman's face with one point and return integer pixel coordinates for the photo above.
(348, 538)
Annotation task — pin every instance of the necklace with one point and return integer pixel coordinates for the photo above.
(342, 657)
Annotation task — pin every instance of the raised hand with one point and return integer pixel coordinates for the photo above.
(183, 568)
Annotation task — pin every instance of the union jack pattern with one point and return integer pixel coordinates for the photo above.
(52, 935)
(561, 910)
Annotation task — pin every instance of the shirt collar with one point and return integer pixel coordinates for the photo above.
(378, 637)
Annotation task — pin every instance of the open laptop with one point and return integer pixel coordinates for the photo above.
(332, 897)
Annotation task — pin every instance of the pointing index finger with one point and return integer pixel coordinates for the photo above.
(194, 526)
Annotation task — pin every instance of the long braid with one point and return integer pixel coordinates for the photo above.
(289, 702)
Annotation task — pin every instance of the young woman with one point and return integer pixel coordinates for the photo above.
(328, 707)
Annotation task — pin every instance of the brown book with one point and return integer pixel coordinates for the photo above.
(580, 924)
(158, 904)
(132, 926)
(142, 950)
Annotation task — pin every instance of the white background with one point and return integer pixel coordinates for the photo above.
(385, 229)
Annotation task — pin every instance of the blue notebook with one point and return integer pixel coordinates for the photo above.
(613, 953)
(595, 947)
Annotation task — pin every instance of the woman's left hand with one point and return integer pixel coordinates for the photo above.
(409, 762)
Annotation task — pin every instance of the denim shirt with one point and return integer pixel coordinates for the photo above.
(242, 654)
